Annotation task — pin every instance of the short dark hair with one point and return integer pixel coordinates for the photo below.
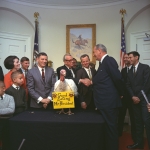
(84, 55)
(41, 54)
(24, 59)
(74, 59)
(15, 74)
(67, 54)
(135, 53)
(9, 62)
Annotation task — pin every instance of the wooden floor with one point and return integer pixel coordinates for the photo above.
(126, 139)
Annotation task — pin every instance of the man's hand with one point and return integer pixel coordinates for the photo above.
(135, 99)
(83, 105)
(45, 105)
(86, 81)
(148, 107)
(45, 101)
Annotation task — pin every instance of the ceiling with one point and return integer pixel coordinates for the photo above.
(70, 3)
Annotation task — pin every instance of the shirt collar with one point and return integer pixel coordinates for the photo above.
(86, 68)
(103, 58)
(22, 70)
(16, 86)
(68, 67)
(40, 68)
(2, 96)
(136, 66)
(129, 67)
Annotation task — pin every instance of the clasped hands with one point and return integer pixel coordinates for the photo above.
(135, 99)
(45, 102)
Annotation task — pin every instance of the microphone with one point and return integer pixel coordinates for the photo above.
(21, 144)
(143, 93)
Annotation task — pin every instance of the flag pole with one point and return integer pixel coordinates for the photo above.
(123, 43)
(36, 45)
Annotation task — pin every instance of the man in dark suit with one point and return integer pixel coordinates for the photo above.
(1, 74)
(85, 93)
(25, 62)
(139, 79)
(40, 82)
(107, 91)
(126, 102)
(70, 72)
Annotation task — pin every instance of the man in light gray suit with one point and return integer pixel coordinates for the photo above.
(40, 83)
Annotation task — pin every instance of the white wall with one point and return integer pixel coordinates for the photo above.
(139, 23)
(52, 25)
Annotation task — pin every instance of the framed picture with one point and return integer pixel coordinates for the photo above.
(81, 39)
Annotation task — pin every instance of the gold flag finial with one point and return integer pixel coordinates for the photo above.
(122, 12)
(36, 15)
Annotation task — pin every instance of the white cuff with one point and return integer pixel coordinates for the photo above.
(39, 99)
(49, 98)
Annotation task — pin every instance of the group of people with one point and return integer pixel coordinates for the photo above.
(107, 90)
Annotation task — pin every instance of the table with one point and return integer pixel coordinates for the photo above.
(47, 130)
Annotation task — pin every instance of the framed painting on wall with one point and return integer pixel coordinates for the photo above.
(81, 39)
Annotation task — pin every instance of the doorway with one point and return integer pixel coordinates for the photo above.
(14, 44)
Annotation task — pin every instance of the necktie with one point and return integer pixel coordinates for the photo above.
(90, 75)
(134, 72)
(99, 65)
(43, 76)
(1, 97)
(71, 73)
(17, 88)
(25, 73)
(127, 69)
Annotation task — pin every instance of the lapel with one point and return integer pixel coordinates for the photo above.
(86, 75)
(46, 74)
(39, 74)
(138, 69)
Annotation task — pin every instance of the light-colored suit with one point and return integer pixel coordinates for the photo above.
(37, 87)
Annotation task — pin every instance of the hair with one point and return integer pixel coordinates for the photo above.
(15, 74)
(74, 59)
(84, 55)
(41, 54)
(9, 62)
(135, 53)
(24, 59)
(67, 54)
(102, 47)
(2, 84)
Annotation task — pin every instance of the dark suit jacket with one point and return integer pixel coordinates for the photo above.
(124, 74)
(82, 74)
(68, 74)
(1, 74)
(107, 85)
(37, 87)
(82, 89)
(141, 81)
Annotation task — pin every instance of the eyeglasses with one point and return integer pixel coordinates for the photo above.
(69, 60)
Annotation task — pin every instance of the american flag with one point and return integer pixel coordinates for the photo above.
(123, 45)
(36, 45)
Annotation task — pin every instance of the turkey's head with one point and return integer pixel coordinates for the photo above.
(62, 74)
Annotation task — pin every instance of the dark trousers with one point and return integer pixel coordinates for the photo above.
(126, 104)
(142, 117)
(4, 133)
(110, 116)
